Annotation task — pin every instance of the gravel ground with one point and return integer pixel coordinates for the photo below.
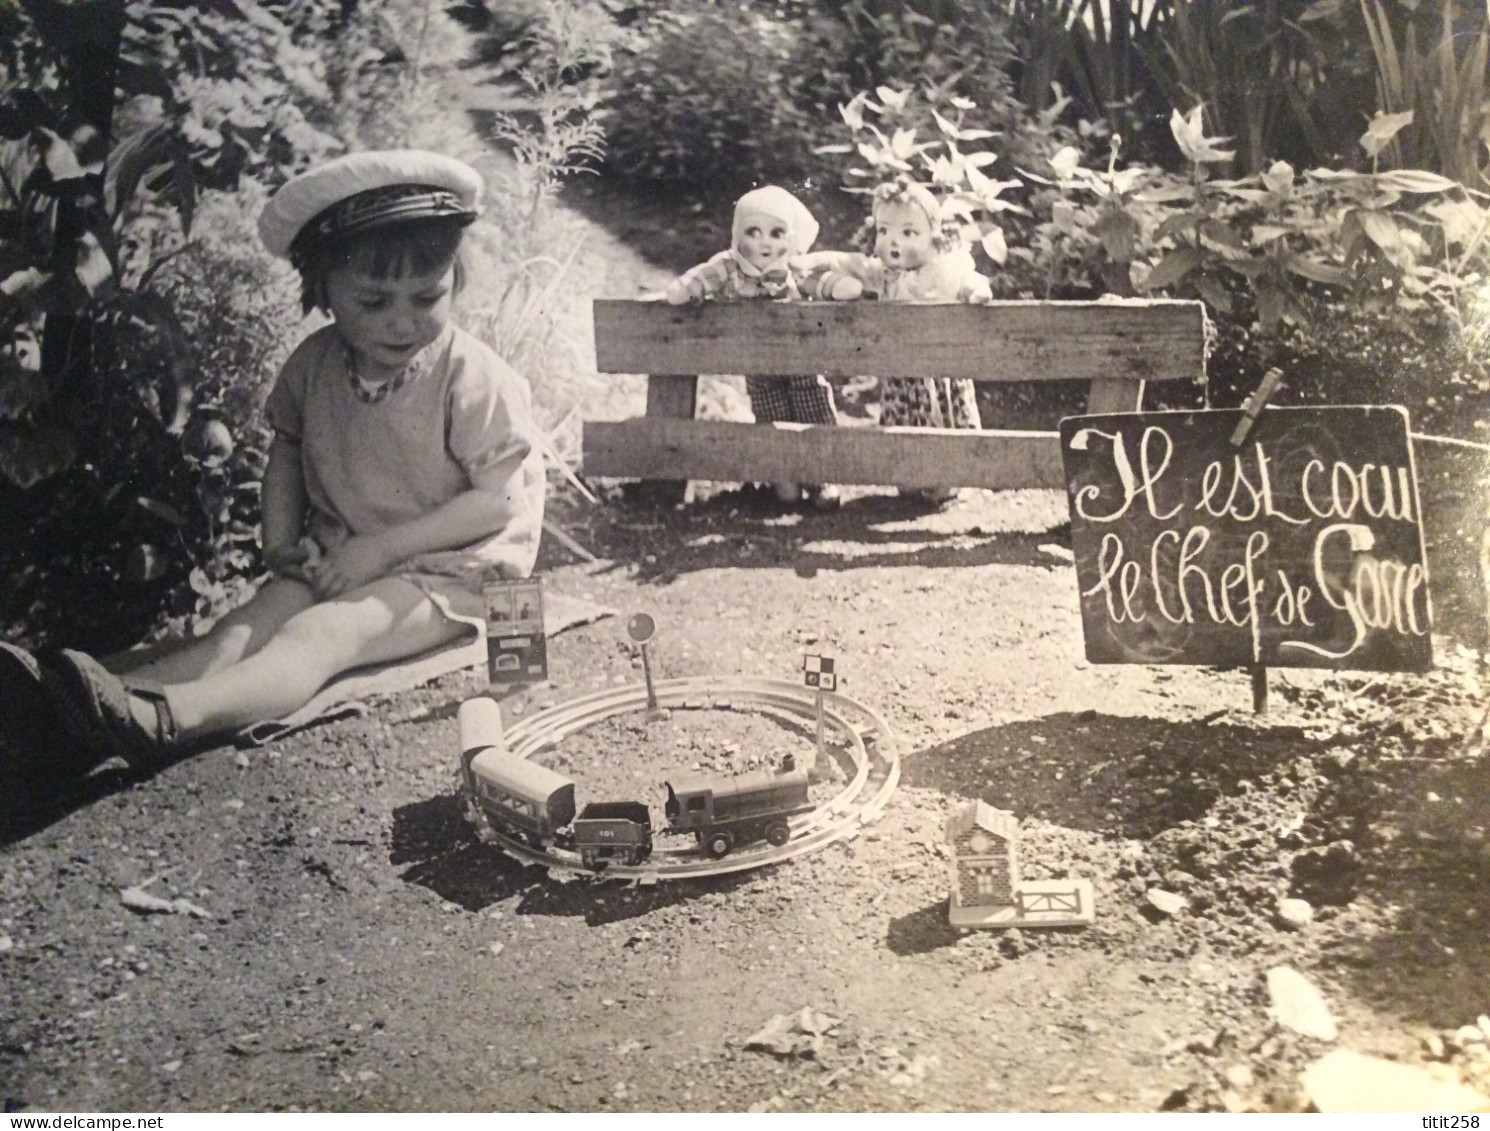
(337, 939)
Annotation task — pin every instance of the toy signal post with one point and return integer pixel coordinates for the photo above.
(642, 628)
(818, 674)
(516, 644)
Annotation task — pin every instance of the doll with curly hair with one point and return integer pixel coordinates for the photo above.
(919, 256)
(770, 227)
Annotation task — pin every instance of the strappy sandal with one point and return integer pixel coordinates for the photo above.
(94, 706)
(30, 725)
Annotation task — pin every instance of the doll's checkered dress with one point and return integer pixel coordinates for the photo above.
(801, 400)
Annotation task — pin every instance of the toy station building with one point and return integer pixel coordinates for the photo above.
(985, 856)
(986, 888)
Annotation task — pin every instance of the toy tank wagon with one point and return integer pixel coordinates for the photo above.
(613, 832)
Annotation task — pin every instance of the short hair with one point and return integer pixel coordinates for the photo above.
(418, 247)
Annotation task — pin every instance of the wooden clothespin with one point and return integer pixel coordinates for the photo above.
(1253, 407)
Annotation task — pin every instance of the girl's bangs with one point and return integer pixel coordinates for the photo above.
(419, 247)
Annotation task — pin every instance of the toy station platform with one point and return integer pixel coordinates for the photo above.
(1037, 903)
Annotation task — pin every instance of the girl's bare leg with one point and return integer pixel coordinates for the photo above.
(241, 633)
(383, 621)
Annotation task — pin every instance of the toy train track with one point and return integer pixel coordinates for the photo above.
(871, 745)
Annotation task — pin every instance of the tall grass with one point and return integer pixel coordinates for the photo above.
(1441, 84)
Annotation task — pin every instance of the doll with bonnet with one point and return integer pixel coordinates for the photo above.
(920, 255)
(771, 227)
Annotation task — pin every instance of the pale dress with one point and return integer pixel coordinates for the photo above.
(457, 417)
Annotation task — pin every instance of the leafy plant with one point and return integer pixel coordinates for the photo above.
(559, 134)
(1263, 72)
(1272, 234)
(707, 102)
(114, 123)
(1098, 219)
(888, 143)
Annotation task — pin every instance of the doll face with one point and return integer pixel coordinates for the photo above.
(902, 236)
(763, 240)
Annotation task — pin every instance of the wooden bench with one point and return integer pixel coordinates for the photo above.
(1113, 346)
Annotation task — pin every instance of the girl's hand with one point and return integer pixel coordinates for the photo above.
(298, 561)
(349, 566)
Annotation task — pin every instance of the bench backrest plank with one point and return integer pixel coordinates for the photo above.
(1129, 341)
(724, 451)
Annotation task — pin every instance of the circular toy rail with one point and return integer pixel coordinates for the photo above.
(871, 746)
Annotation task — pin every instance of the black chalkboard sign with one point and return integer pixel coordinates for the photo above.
(1300, 547)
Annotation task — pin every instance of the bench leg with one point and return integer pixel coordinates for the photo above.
(1114, 396)
(671, 396)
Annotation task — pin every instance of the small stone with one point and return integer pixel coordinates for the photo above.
(1467, 1035)
(496, 948)
(1433, 1045)
(171, 1066)
(232, 804)
(1166, 902)
(1105, 1097)
(1297, 1005)
(1204, 1042)
(366, 1076)
(1350, 1082)
(6, 944)
(1240, 1076)
(1294, 914)
(241, 761)
(1484, 1025)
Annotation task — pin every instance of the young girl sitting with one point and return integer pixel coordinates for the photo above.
(770, 227)
(917, 258)
(402, 471)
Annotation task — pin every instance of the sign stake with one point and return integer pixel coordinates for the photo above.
(647, 675)
(820, 743)
(818, 673)
(1250, 412)
(1259, 689)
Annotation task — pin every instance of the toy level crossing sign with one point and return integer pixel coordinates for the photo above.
(516, 641)
(818, 672)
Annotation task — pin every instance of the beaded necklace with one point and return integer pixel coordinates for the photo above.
(369, 392)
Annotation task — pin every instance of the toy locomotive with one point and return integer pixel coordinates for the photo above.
(536, 805)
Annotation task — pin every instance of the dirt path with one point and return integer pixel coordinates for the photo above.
(362, 951)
